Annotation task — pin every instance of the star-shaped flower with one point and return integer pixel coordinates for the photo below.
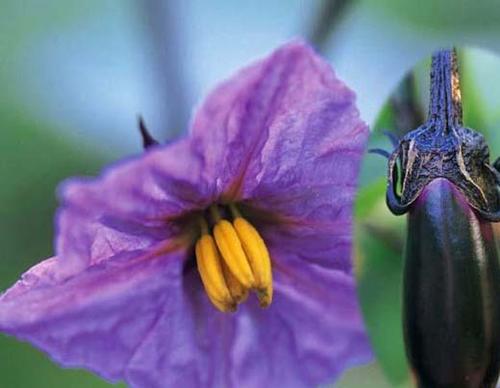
(164, 262)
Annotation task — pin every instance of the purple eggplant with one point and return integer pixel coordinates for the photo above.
(440, 175)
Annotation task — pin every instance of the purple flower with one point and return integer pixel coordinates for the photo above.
(268, 171)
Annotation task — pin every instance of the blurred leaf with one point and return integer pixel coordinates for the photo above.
(379, 289)
(379, 237)
(22, 20)
(443, 14)
(385, 119)
(24, 367)
(473, 107)
(481, 95)
(368, 196)
(368, 376)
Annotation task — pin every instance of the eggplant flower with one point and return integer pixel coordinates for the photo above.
(222, 259)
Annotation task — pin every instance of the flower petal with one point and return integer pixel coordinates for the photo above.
(97, 319)
(129, 207)
(313, 325)
(283, 122)
(184, 348)
(315, 225)
(309, 335)
(289, 139)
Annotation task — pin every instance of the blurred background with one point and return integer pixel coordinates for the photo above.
(75, 75)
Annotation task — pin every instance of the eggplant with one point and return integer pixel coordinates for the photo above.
(451, 290)
(441, 177)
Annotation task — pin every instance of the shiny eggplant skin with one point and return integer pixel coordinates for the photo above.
(451, 292)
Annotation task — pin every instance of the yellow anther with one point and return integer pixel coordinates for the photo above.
(238, 292)
(258, 257)
(232, 252)
(212, 276)
(233, 261)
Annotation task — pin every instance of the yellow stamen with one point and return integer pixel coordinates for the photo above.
(258, 257)
(238, 292)
(211, 272)
(233, 261)
(231, 250)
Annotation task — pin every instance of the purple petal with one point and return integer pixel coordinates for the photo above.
(315, 225)
(285, 121)
(285, 136)
(310, 334)
(129, 207)
(97, 319)
(187, 345)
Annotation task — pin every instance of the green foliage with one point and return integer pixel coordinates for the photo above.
(442, 15)
(379, 289)
(368, 198)
(379, 237)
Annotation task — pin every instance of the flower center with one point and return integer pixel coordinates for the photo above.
(232, 260)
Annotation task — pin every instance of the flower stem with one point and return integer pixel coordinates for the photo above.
(203, 225)
(234, 210)
(215, 213)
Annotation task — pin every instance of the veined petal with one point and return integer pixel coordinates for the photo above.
(308, 171)
(97, 319)
(285, 137)
(285, 121)
(129, 207)
(309, 335)
(187, 346)
(312, 224)
(324, 337)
